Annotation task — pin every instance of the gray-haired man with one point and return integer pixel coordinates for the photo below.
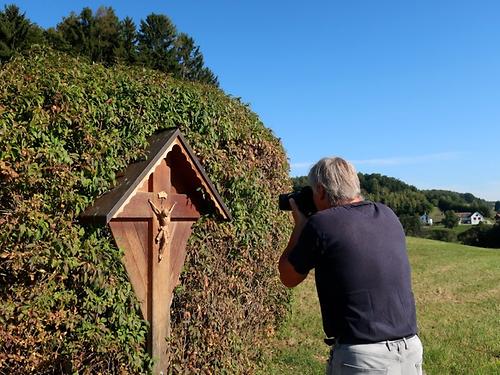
(358, 251)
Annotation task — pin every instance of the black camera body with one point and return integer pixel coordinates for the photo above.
(303, 198)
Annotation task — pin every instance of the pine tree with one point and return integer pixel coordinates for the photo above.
(127, 49)
(72, 35)
(156, 45)
(94, 36)
(188, 57)
(17, 32)
(190, 62)
(105, 36)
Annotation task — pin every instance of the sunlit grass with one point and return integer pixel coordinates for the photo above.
(299, 347)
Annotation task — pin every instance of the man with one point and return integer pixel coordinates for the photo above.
(358, 251)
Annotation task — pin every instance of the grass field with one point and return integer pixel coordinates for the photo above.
(457, 290)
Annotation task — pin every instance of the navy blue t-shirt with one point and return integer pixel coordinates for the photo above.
(362, 272)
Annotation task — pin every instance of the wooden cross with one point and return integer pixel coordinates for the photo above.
(150, 214)
(153, 276)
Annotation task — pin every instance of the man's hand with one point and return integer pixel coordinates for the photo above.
(289, 277)
(300, 221)
(298, 217)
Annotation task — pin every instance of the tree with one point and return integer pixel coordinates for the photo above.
(94, 36)
(156, 45)
(411, 225)
(190, 62)
(103, 38)
(105, 35)
(402, 198)
(497, 206)
(299, 182)
(127, 49)
(450, 200)
(469, 198)
(188, 57)
(56, 40)
(74, 33)
(17, 33)
(450, 219)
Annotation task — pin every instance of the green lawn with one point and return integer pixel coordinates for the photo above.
(457, 291)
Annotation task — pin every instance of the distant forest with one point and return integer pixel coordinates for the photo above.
(102, 37)
(406, 199)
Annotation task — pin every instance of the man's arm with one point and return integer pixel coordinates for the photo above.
(288, 276)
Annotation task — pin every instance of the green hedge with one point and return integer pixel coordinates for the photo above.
(67, 127)
(440, 234)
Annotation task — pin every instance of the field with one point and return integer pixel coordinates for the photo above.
(457, 291)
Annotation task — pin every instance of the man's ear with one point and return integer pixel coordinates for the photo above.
(321, 192)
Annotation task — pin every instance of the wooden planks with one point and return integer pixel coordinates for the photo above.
(138, 207)
(133, 238)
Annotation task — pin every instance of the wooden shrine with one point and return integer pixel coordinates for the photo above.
(150, 213)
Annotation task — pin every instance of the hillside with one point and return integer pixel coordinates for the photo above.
(457, 289)
(450, 200)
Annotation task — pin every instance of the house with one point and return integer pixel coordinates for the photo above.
(425, 219)
(472, 218)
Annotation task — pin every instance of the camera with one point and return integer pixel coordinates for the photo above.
(303, 198)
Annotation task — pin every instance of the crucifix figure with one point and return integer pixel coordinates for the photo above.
(163, 216)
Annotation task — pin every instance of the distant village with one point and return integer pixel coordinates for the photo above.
(463, 218)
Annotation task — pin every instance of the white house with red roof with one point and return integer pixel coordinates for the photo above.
(472, 218)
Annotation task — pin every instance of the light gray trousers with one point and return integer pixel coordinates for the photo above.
(398, 357)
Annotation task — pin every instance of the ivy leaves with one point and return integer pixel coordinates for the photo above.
(67, 129)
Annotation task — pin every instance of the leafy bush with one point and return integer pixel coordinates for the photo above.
(482, 235)
(67, 127)
(450, 219)
(441, 234)
(411, 225)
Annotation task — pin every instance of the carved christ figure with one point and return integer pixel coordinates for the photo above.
(163, 216)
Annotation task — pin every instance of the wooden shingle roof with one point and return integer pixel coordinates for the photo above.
(106, 206)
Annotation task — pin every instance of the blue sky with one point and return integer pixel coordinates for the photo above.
(409, 89)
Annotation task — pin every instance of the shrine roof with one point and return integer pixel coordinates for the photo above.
(107, 205)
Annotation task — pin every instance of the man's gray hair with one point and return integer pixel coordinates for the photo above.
(338, 177)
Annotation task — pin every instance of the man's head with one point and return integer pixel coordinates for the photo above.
(334, 182)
